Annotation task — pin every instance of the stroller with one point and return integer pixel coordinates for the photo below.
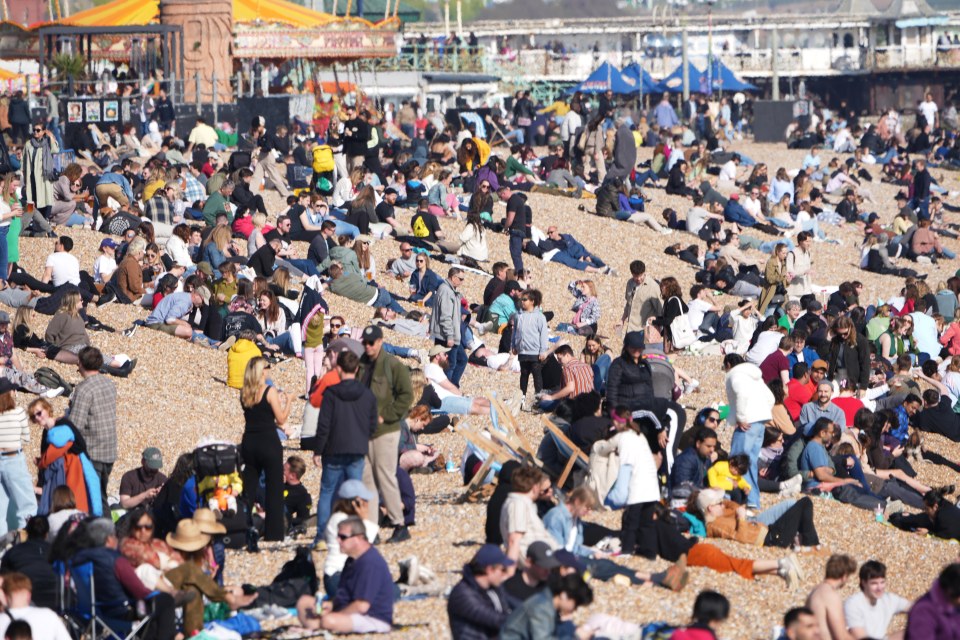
(218, 466)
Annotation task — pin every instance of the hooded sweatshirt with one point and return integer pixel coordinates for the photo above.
(238, 356)
(347, 421)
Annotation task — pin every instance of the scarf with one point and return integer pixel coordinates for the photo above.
(48, 171)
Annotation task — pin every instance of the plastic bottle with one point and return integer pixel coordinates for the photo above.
(878, 513)
(451, 466)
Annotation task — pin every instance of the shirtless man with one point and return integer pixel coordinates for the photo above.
(826, 602)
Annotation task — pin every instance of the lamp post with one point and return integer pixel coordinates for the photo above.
(710, 4)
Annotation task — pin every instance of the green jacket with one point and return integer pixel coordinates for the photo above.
(391, 386)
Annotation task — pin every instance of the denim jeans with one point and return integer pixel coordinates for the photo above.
(400, 352)
(284, 341)
(813, 225)
(17, 485)
(335, 470)
(750, 442)
(308, 267)
(771, 515)
(516, 249)
(777, 222)
(384, 299)
(600, 369)
(343, 228)
(458, 364)
(578, 251)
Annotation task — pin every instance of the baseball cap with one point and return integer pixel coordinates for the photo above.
(633, 340)
(819, 364)
(815, 305)
(371, 334)
(540, 554)
(437, 349)
(205, 268)
(734, 196)
(489, 555)
(873, 217)
(351, 489)
(709, 497)
(153, 458)
(108, 242)
(4, 317)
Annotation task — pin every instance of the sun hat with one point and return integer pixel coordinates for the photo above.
(207, 521)
(352, 489)
(188, 536)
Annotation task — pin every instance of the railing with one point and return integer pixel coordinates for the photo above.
(898, 57)
(415, 58)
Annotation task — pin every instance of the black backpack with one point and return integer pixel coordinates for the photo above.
(216, 460)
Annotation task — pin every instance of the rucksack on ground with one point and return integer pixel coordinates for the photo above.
(51, 379)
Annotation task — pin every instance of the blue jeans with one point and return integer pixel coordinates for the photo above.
(458, 364)
(284, 341)
(400, 352)
(774, 513)
(777, 222)
(813, 225)
(578, 251)
(564, 258)
(308, 267)
(384, 299)
(76, 220)
(343, 228)
(600, 369)
(750, 442)
(17, 485)
(768, 247)
(54, 125)
(642, 178)
(888, 156)
(335, 470)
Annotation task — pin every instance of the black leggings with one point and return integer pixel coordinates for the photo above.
(798, 519)
(263, 453)
(528, 365)
(163, 624)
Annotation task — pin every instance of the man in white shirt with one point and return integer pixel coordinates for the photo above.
(728, 172)
(62, 267)
(752, 203)
(928, 108)
(925, 329)
(451, 398)
(44, 623)
(869, 612)
(703, 314)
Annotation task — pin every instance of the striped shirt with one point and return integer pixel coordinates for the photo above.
(14, 429)
(581, 374)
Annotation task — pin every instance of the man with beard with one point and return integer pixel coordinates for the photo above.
(141, 485)
(451, 398)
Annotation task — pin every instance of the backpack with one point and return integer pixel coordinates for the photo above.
(323, 158)
(51, 379)
(216, 459)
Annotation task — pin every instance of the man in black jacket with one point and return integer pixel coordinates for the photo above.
(347, 421)
(937, 416)
(847, 208)
(356, 135)
(477, 605)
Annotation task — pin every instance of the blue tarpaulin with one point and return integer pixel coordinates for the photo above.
(635, 71)
(607, 76)
(722, 79)
(717, 78)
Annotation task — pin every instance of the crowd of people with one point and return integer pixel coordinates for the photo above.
(825, 396)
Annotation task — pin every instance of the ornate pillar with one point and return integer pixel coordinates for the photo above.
(207, 44)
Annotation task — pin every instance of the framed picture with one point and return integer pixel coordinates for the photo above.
(74, 112)
(93, 111)
(111, 111)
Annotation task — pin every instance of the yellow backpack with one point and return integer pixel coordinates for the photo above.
(322, 158)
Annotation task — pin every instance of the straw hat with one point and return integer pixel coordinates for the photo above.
(207, 521)
(188, 536)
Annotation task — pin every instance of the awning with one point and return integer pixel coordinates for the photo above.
(922, 21)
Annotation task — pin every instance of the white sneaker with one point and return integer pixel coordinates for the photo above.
(666, 232)
(52, 393)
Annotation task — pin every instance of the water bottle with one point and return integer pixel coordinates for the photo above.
(451, 466)
(878, 514)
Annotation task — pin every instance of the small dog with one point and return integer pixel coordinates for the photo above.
(913, 449)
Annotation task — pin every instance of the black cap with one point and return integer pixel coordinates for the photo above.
(873, 217)
(371, 334)
(900, 196)
(540, 554)
(815, 305)
(512, 286)
(633, 340)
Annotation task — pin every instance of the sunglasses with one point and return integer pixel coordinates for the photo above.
(38, 130)
(335, 326)
(143, 527)
(343, 536)
(421, 262)
(37, 413)
(405, 250)
(484, 186)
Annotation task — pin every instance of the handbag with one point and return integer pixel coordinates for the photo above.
(681, 333)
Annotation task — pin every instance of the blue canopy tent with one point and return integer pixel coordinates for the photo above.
(722, 79)
(635, 71)
(607, 76)
(673, 83)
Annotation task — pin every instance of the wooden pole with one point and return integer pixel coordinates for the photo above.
(459, 17)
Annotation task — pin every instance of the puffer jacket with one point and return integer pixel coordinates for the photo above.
(238, 356)
(630, 385)
(347, 420)
(472, 612)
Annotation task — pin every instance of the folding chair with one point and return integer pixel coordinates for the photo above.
(88, 613)
(574, 455)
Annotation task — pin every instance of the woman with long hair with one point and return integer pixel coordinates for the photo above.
(67, 195)
(424, 281)
(673, 307)
(219, 248)
(11, 201)
(473, 237)
(177, 247)
(363, 209)
(273, 321)
(67, 335)
(344, 254)
(149, 556)
(265, 410)
(17, 486)
(849, 354)
(586, 308)
(368, 264)
(775, 277)
(598, 356)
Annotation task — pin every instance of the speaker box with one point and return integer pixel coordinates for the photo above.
(276, 110)
(770, 120)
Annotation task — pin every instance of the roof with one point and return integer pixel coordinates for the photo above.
(879, 9)
(374, 9)
(121, 13)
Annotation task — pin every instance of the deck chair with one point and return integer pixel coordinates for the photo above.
(506, 427)
(88, 613)
(574, 455)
